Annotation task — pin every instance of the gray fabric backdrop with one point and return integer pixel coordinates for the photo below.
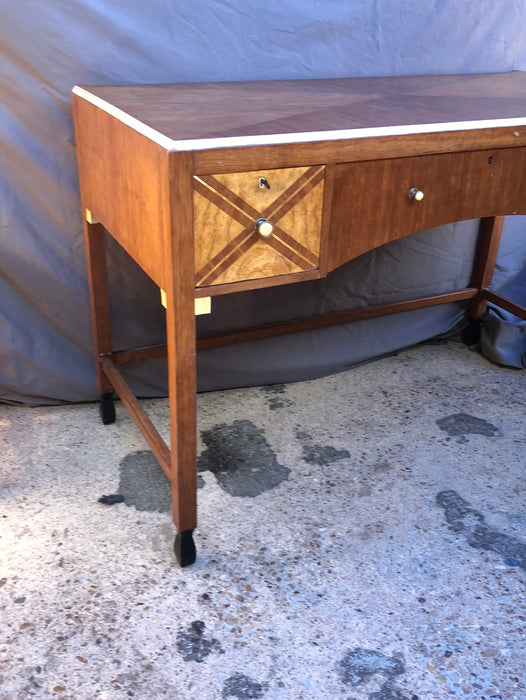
(47, 47)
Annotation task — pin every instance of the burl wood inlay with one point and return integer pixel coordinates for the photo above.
(226, 207)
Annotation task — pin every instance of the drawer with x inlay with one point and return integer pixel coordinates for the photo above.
(255, 225)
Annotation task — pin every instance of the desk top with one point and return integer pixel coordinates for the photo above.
(337, 151)
(195, 116)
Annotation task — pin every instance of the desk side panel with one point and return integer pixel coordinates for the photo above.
(119, 174)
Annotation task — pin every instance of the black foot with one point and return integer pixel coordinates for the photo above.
(107, 409)
(471, 333)
(184, 548)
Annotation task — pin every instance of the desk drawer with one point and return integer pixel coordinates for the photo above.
(257, 224)
(372, 203)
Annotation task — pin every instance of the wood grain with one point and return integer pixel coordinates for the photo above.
(490, 231)
(226, 206)
(245, 285)
(94, 240)
(149, 431)
(118, 171)
(215, 160)
(506, 304)
(270, 330)
(487, 249)
(235, 109)
(178, 239)
(371, 205)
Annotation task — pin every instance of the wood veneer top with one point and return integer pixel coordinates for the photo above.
(234, 110)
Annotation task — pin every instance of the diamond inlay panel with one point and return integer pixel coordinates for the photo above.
(226, 207)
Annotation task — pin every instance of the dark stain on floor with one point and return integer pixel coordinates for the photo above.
(314, 453)
(143, 483)
(276, 396)
(464, 424)
(471, 523)
(358, 666)
(241, 458)
(193, 645)
(389, 691)
(241, 686)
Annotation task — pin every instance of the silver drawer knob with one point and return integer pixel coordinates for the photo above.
(416, 194)
(264, 228)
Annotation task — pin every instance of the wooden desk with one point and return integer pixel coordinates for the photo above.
(221, 187)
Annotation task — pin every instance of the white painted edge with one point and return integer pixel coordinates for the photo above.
(299, 137)
(126, 118)
(359, 133)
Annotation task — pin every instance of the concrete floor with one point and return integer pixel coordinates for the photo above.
(361, 536)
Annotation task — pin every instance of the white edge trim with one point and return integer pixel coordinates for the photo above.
(359, 133)
(300, 137)
(125, 118)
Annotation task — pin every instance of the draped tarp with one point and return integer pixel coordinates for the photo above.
(503, 336)
(47, 47)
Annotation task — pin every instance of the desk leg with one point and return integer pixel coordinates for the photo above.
(100, 309)
(183, 431)
(487, 249)
(181, 345)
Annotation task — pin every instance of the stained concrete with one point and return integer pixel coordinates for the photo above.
(361, 536)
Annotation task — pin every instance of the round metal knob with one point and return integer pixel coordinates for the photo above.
(416, 194)
(264, 228)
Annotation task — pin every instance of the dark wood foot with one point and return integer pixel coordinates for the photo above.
(471, 333)
(184, 548)
(107, 409)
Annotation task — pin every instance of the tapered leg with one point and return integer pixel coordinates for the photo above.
(100, 309)
(180, 328)
(487, 249)
(183, 429)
